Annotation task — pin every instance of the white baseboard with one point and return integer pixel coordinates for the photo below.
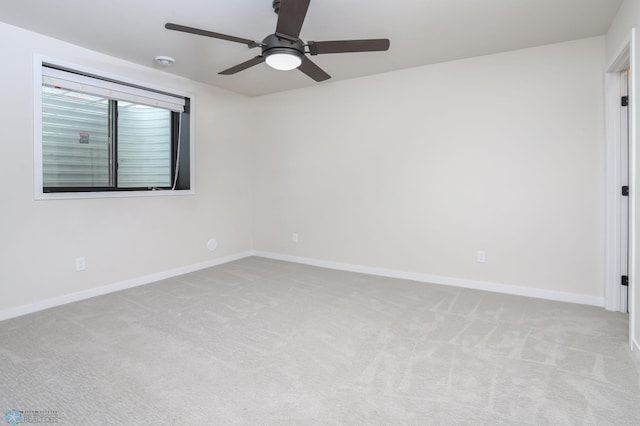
(391, 273)
(110, 288)
(443, 280)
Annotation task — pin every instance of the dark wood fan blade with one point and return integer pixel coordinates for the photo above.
(243, 66)
(345, 46)
(291, 17)
(191, 30)
(312, 70)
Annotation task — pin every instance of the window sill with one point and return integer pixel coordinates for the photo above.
(116, 194)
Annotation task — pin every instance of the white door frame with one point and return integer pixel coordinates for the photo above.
(624, 201)
(625, 59)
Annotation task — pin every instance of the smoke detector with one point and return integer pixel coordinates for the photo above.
(164, 61)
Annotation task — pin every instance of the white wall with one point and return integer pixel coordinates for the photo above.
(628, 17)
(124, 238)
(415, 170)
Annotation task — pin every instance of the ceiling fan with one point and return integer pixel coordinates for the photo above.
(283, 50)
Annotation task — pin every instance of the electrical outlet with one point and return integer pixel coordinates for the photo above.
(294, 237)
(481, 256)
(81, 265)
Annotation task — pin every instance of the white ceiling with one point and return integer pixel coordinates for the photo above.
(422, 32)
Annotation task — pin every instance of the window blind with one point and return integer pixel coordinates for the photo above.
(58, 78)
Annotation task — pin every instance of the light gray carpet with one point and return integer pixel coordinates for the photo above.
(266, 342)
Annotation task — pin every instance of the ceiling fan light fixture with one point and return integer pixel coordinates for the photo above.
(283, 59)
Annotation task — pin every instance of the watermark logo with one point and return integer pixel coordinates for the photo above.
(13, 417)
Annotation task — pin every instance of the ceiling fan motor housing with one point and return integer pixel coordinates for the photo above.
(274, 44)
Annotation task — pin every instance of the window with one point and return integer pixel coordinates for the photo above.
(102, 135)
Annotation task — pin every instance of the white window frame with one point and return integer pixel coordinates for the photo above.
(39, 194)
